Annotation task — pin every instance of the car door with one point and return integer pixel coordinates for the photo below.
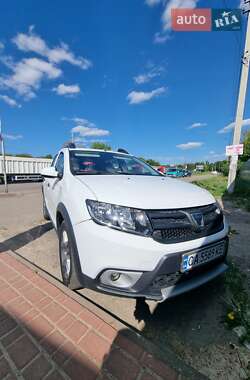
(54, 187)
(46, 186)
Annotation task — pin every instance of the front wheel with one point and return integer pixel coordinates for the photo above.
(45, 211)
(67, 262)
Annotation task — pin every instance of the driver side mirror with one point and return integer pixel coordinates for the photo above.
(50, 172)
(59, 175)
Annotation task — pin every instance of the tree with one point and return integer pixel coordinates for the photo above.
(224, 167)
(26, 155)
(100, 145)
(49, 156)
(246, 142)
(190, 166)
(152, 162)
(142, 159)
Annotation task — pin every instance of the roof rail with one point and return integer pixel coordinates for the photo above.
(121, 150)
(69, 145)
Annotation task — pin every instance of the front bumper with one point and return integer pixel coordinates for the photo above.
(166, 280)
(100, 248)
(128, 252)
(195, 282)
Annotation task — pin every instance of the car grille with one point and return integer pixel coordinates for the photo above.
(171, 279)
(165, 280)
(175, 226)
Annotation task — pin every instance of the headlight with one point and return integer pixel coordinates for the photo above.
(119, 217)
(218, 208)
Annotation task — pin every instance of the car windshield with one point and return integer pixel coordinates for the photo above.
(101, 163)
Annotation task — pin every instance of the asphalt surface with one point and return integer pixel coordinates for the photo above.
(189, 324)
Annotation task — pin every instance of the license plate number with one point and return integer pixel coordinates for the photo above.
(193, 259)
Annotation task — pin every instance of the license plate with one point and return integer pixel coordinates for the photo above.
(194, 259)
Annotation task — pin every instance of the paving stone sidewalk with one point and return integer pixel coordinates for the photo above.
(46, 334)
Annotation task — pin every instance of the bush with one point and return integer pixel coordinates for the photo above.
(225, 168)
(242, 193)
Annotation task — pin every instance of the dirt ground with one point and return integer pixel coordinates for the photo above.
(191, 324)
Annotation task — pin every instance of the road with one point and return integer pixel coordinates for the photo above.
(189, 324)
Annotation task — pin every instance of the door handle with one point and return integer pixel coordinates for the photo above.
(48, 185)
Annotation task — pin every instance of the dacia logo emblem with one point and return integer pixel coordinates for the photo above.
(198, 220)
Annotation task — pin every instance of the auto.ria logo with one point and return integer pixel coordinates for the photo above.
(205, 20)
(226, 19)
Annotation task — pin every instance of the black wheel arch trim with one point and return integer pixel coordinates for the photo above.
(65, 215)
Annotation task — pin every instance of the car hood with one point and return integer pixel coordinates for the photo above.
(146, 192)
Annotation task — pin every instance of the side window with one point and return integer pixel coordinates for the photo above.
(60, 164)
(54, 160)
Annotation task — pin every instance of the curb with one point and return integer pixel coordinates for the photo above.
(166, 355)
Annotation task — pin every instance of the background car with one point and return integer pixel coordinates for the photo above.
(174, 172)
(187, 173)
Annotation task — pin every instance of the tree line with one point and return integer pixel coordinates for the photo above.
(220, 166)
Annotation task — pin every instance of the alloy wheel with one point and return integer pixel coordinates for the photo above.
(65, 255)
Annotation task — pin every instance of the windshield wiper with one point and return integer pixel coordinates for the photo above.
(114, 173)
(90, 173)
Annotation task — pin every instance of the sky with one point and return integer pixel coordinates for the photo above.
(115, 71)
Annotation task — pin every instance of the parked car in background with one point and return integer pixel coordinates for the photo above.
(187, 173)
(161, 169)
(174, 172)
(126, 229)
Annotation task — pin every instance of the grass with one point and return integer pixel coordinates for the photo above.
(217, 185)
(238, 302)
(238, 313)
(201, 173)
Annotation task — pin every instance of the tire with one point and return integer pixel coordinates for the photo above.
(45, 211)
(67, 258)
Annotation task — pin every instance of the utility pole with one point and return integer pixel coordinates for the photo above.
(4, 161)
(240, 104)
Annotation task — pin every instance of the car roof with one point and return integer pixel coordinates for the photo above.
(98, 150)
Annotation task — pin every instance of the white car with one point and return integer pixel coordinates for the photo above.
(128, 230)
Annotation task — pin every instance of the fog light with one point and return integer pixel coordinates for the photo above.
(121, 279)
(115, 276)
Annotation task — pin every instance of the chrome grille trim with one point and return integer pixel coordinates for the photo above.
(174, 226)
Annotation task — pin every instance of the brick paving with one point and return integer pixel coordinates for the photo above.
(47, 334)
